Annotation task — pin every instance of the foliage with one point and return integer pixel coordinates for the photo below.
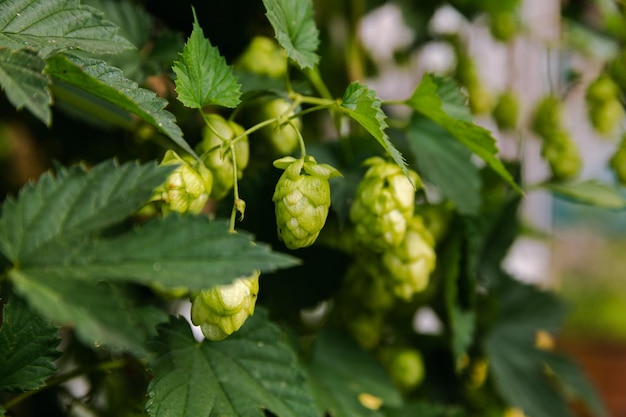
(154, 192)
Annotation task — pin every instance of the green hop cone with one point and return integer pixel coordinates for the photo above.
(605, 110)
(503, 25)
(404, 365)
(506, 111)
(222, 310)
(217, 156)
(366, 282)
(618, 162)
(302, 200)
(263, 57)
(383, 204)
(562, 155)
(411, 263)
(186, 189)
(365, 326)
(547, 117)
(606, 117)
(282, 139)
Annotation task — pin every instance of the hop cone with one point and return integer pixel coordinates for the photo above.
(302, 199)
(618, 162)
(217, 156)
(411, 263)
(264, 57)
(222, 310)
(404, 365)
(367, 283)
(383, 204)
(562, 154)
(186, 189)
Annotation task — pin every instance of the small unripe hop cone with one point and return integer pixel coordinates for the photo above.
(383, 205)
(215, 152)
(222, 310)
(187, 189)
(302, 200)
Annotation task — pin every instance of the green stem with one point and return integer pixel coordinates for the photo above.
(302, 144)
(101, 367)
(314, 77)
(233, 213)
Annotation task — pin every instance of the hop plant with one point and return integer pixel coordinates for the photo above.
(263, 57)
(302, 200)
(506, 111)
(547, 117)
(216, 152)
(618, 161)
(404, 365)
(562, 155)
(605, 110)
(503, 25)
(367, 283)
(222, 310)
(383, 204)
(411, 263)
(281, 137)
(186, 189)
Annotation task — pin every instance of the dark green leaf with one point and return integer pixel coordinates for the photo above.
(250, 371)
(445, 162)
(362, 105)
(101, 313)
(132, 20)
(344, 378)
(427, 102)
(461, 320)
(52, 25)
(76, 203)
(295, 29)
(109, 84)
(421, 409)
(575, 382)
(188, 251)
(23, 81)
(202, 75)
(590, 192)
(518, 367)
(27, 348)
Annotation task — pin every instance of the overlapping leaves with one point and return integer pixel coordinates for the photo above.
(57, 233)
(251, 371)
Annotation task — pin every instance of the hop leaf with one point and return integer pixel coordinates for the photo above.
(222, 310)
(302, 200)
(411, 263)
(383, 204)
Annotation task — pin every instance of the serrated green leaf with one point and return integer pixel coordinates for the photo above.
(446, 163)
(461, 320)
(74, 204)
(101, 313)
(295, 29)
(107, 83)
(342, 375)
(453, 101)
(422, 409)
(188, 251)
(153, 52)
(427, 102)
(49, 26)
(27, 348)
(132, 20)
(250, 371)
(361, 104)
(23, 81)
(517, 366)
(202, 75)
(590, 192)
